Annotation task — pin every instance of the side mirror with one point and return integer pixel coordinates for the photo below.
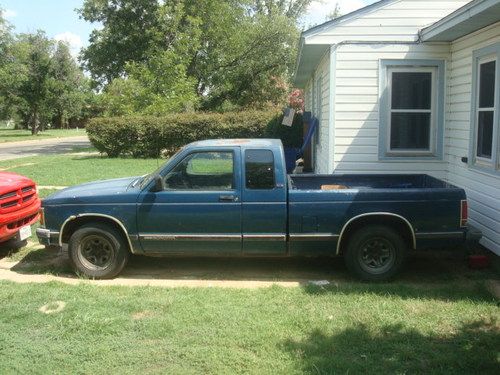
(159, 183)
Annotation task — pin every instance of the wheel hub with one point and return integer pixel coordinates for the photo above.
(376, 255)
(96, 252)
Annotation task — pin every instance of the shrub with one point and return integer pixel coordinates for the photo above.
(150, 136)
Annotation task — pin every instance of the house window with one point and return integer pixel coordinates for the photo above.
(411, 109)
(485, 108)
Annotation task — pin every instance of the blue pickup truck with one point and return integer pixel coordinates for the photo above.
(234, 198)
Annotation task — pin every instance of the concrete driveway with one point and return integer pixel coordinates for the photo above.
(14, 150)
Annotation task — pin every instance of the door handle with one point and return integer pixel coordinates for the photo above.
(228, 198)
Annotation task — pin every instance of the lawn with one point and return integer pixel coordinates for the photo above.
(72, 169)
(14, 135)
(431, 320)
(352, 328)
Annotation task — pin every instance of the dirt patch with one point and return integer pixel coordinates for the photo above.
(142, 315)
(40, 265)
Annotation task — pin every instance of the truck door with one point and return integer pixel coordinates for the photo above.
(199, 212)
(264, 209)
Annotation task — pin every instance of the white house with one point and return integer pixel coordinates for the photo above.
(411, 86)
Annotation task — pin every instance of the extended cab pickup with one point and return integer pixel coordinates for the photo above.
(19, 206)
(234, 198)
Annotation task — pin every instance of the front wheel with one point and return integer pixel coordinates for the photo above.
(98, 251)
(375, 253)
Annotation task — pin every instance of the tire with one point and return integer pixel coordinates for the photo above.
(375, 253)
(98, 251)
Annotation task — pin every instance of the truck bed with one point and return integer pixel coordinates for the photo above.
(366, 181)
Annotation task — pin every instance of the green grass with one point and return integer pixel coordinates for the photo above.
(352, 328)
(68, 169)
(427, 322)
(14, 135)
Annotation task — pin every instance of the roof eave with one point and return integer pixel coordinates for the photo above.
(465, 20)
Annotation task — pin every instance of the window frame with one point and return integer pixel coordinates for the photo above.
(437, 70)
(479, 57)
(431, 111)
(190, 154)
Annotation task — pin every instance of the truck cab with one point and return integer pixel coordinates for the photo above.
(234, 198)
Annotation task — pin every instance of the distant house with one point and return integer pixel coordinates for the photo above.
(410, 86)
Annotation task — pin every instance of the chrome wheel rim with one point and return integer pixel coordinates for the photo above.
(377, 255)
(96, 252)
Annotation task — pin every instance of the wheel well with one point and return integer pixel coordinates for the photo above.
(73, 225)
(393, 222)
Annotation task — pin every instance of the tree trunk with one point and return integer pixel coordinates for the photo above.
(34, 122)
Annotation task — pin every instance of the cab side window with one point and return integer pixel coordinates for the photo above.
(259, 169)
(203, 171)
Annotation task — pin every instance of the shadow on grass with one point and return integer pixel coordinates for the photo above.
(473, 349)
(44, 261)
(11, 247)
(430, 276)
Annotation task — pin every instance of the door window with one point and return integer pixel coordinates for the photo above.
(203, 171)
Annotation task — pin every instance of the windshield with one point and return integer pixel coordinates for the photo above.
(145, 180)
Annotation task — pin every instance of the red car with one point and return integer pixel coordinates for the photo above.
(19, 206)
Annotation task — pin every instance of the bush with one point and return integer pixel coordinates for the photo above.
(150, 136)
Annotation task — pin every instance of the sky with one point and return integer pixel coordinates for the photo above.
(59, 19)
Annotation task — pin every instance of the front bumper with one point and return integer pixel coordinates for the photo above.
(47, 237)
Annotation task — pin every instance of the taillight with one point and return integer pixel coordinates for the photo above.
(463, 213)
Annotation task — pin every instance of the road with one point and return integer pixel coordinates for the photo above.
(13, 150)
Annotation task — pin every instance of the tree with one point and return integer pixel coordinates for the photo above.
(335, 13)
(33, 86)
(40, 83)
(6, 40)
(68, 88)
(292, 9)
(227, 52)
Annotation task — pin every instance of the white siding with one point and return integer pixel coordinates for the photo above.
(483, 190)
(357, 108)
(321, 148)
(398, 20)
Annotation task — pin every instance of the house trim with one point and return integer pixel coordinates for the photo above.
(331, 117)
(494, 168)
(437, 153)
(464, 21)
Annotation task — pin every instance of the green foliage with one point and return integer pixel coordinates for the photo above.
(291, 136)
(185, 54)
(150, 136)
(69, 90)
(32, 62)
(158, 88)
(40, 82)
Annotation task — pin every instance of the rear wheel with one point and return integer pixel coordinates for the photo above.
(375, 253)
(98, 251)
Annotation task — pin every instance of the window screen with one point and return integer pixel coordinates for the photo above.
(259, 169)
(411, 110)
(485, 110)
